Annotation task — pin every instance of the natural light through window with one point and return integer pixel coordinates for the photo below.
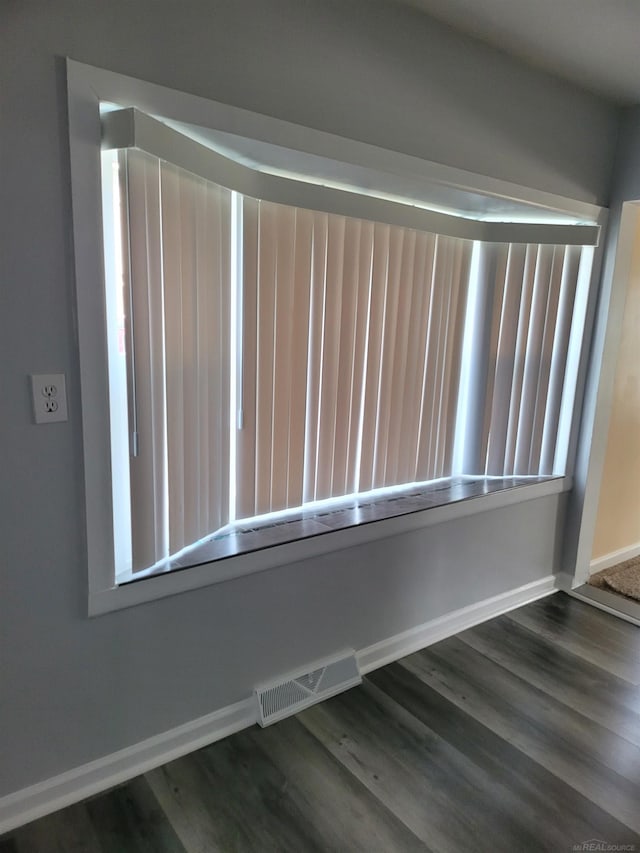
(269, 359)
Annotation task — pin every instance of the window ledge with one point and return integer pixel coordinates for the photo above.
(311, 534)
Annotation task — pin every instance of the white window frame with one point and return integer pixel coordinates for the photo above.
(88, 87)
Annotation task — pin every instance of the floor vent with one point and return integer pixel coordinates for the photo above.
(292, 693)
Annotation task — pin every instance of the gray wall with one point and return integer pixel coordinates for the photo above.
(73, 689)
(626, 175)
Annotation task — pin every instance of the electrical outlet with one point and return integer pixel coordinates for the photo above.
(49, 397)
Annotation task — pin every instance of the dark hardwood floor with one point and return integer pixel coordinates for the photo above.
(522, 734)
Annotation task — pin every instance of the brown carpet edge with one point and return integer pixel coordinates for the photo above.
(624, 578)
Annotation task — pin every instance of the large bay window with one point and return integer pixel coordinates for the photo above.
(273, 344)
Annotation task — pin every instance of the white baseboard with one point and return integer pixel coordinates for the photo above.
(60, 791)
(615, 557)
(424, 635)
(566, 582)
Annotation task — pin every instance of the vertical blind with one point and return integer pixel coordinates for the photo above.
(534, 290)
(353, 343)
(177, 231)
(352, 340)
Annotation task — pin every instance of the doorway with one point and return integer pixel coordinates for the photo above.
(613, 581)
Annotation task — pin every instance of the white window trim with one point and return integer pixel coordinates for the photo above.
(158, 586)
(87, 88)
(131, 128)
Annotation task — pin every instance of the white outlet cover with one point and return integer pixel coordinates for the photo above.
(49, 393)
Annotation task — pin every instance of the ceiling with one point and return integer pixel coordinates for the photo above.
(594, 43)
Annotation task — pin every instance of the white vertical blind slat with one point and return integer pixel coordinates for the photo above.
(362, 285)
(559, 357)
(186, 446)
(500, 254)
(282, 331)
(172, 255)
(266, 320)
(388, 366)
(532, 359)
(397, 437)
(219, 300)
(303, 238)
(500, 402)
(412, 386)
(440, 365)
(317, 284)
(576, 345)
(205, 238)
(519, 358)
(246, 439)
(331, 357)
(453, 357)
(347, 397)
(546, 350)
(140, 176)
(432, 387)
(379, 275)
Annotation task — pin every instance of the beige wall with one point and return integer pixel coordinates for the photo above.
(618, 520)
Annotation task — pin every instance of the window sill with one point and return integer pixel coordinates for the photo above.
(311, 534)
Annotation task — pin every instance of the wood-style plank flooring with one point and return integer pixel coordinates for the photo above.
(522, 734)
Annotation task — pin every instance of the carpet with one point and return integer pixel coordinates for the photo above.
(623, 578)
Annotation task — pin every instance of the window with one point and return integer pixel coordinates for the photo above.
(274, 343)
(170, 387)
